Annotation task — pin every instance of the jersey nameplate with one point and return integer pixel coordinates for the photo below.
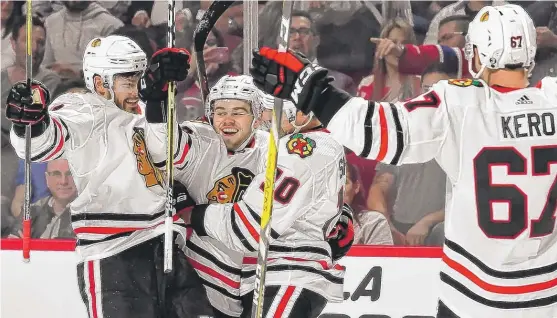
(300, 145)
(527, 125)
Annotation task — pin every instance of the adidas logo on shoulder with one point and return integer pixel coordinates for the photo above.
(523, 100)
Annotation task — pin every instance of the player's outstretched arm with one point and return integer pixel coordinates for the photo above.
(238, 225)
(167, 64)
(49, 132)
(391, 133)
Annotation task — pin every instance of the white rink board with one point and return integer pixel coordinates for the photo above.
(398, 287)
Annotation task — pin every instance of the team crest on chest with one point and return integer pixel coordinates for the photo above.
(231, 188)
(145, 166)
(301, 145)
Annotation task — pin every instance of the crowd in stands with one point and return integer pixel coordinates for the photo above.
(381, 51)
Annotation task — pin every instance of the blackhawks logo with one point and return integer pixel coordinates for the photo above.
(153, 176)
(230, 188)
(465, 82)
(300, 145)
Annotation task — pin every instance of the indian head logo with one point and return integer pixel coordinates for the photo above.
(300, 145)
(231, 188)
(145, 166)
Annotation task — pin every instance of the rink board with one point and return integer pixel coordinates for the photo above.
(380, 282)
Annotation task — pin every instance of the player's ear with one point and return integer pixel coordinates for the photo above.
(256, 123)
(99, 86)
(477, 64)
(356, 187)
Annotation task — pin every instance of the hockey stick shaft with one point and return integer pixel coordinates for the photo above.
(170, 122)
(27, 160)
(270, 173)
(210, 17)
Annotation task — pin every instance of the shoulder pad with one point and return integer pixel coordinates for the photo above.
(465, 82)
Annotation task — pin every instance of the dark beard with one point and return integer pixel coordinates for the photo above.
(76, 6)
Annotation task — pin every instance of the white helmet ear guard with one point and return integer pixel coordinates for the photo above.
(110, 56)
(503, 36)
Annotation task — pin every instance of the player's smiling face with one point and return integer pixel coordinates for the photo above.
(126, 92)
(232, 119)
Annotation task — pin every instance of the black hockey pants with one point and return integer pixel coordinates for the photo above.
(131, 285)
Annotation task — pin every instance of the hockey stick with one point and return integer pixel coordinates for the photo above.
(170, 119)
(27, 162)
(200, 35)
(268, 190)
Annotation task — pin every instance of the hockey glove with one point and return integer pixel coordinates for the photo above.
(168, 64)
(342, 236)
(25, 108)
(289, 75)
(182, 199)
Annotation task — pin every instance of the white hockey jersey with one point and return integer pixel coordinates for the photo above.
(499, 148)
(211, 173)
(120, 198)
(309, 187)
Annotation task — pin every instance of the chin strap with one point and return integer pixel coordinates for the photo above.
(298, 128)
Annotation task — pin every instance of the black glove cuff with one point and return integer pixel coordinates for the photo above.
(330, 102)
(197, 219)
(36, 130)
(153, 111)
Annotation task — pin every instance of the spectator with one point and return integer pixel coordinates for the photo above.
(216, 66)
(118, 8)
(16, 72)
(139, 36)
(366, 170)
(344, 28)
(412, 197)
(51, 215)
(8, 162)
(70, 30)
(9, 76)
(394, 86)
(39, 188)
(370, 227)
(433, 74)
(544, 14)
(303, 37)
(44, 8)
(11, 12)
(452, 31)
(7, 219)
(414, 59)
(139, 13)
(463, 7)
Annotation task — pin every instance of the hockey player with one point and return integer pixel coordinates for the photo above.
(495, 139)
(301, 275)
(119, 210)
(216, 160)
